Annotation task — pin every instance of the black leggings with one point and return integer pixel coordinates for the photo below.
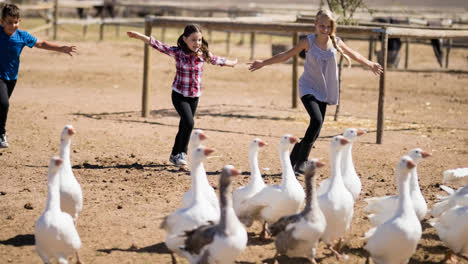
(316, 110)
(6, 89)
(186, 108)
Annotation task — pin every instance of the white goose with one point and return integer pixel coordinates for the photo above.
(383, 208)
(223, 242)
(197, 138)
(241, 196)
(199, 212)
(458, 197)
(459, 175)
(395, 241)
(452, 228)
(275, 201)
(195, 141)
(337, 203)
(348, 172)
(55, 233)
(71, 195)
(297, 235)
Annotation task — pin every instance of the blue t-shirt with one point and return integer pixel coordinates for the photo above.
(10, 50)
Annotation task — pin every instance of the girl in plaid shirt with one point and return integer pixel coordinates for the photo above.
(190, 54)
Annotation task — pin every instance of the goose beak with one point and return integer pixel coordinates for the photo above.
(235, 172)
(262, 143)
(319, 163)
(410, 164)
(361, 132)
(208, 151)
(425, 154)
(58, 161)
(71, 131)
(293, 140)
(202, 136)
(344, 141)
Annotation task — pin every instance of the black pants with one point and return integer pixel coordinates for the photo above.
(185, 107)
(6, 89)
(316, 110)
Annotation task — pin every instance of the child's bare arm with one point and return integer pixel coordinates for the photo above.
(280, 57)
(43, 44)
(373, 66)
(137, 35)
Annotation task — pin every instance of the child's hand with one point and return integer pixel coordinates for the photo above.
(255, 65)
(232, 63)
(69, 50)
(376, 68)
(133, 34)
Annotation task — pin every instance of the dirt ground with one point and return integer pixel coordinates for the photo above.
(121, 159)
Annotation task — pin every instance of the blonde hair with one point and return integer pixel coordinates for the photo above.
(328, 14)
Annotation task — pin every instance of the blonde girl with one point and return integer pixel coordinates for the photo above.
(318, 85)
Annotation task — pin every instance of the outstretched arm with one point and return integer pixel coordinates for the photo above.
(373, 66)
(137, 35)
(280, 57)
(43, 44)
(231, 63)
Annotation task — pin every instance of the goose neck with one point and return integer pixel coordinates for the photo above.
(347, 159)
(197, 181)
(414, 184)
(404, 199)
(286, 167)
(254, 169)
(311, 194)
(53, 193)
(65, 151)
(335, 161)
(228, 216)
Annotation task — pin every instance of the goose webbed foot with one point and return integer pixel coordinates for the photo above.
(339, 256)
(78, 261)
(173, 258)
(275, 258)
(263, 234)
(367, 259)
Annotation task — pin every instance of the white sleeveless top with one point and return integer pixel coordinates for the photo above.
(320, 77)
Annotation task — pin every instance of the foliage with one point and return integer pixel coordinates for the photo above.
(346, 9)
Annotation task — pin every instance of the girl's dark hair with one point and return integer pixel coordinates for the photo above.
(10, 10)
(189, 29)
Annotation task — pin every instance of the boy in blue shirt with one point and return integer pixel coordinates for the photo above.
(12, 42)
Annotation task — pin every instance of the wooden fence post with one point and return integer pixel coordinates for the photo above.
(228, 42)
(447, 52)
(55, 18)
(146, 71)
(295, 38)
(371, 48)
(406, 53)
(380, 111)
(252, 45)
(340, 71)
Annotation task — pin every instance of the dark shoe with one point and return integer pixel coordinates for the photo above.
(3, 141)
(299, 168)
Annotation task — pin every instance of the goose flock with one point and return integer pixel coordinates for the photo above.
(211, 229)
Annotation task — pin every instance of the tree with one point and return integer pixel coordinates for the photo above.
(345, 9)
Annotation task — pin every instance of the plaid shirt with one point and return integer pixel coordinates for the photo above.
(189, 68)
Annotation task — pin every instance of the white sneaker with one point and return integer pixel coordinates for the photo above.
(3, 141)
(178, 159)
